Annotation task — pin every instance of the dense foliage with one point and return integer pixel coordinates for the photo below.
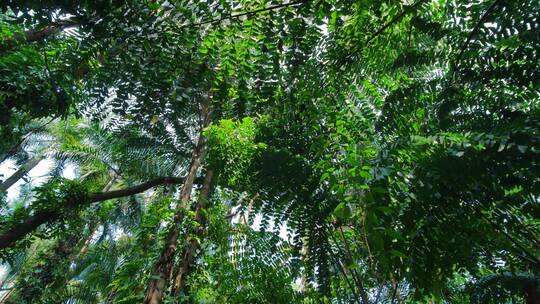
(266, 151)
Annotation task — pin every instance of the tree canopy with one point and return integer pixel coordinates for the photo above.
(263, 151)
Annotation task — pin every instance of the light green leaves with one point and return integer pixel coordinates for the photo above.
(232, 148)
(343, 211)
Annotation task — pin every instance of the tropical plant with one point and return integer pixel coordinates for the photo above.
(272, 152)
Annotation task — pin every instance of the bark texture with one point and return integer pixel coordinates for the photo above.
(192, 243)
(164, 266)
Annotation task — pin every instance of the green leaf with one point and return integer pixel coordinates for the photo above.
(342, 211)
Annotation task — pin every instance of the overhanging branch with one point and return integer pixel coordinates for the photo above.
(30, 224)
(36, 35)
(405, 12)
(473, 32)
(165, 180)
(248, 13)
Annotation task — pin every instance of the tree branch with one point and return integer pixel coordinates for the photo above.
(36, 35)
(471, 35)
(103, 196)
(397, 18)
(530, 257)
(404, 13)
(248, 13)
(14, 148)
(20, 173)
(19, 231)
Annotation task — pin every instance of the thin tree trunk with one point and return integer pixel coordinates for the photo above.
(532, 295)
(355, 275)
(84, 248)
(111, 183)
(15, 177)
(344, 271)
(397, 292)
(246, 215)
(93, 227)
(303, 286)
(164, 265)
(17, 147)
(5, 298)
(193, 244)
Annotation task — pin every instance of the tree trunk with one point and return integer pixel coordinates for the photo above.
(165, 263)
(92, 227)
(15, 177)
(193, 244)
(303, 286)
(532, 296)
(397, 292)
